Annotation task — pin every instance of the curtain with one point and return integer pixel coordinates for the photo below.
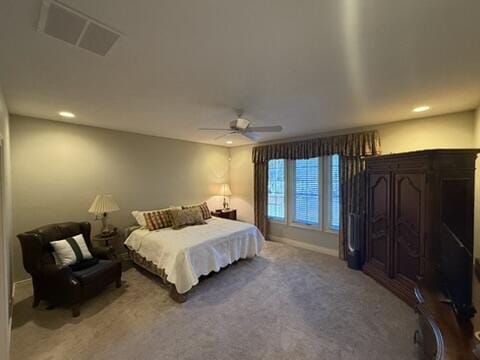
(352, 182)
(260, 196)
(351, 148)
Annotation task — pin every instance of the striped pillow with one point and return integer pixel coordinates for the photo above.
(158, 219)
(71, 250)
(203, 207)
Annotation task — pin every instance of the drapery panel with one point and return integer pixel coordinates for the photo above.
(355, 144)
(260, 196)
(352, 182)
(350, 147)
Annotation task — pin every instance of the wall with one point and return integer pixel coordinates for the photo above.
(58, 169)
(241, 182)
(5, 233)
(444, 131)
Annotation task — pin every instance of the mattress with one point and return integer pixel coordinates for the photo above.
(193, 251)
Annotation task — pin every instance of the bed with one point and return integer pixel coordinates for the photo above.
(180, 257)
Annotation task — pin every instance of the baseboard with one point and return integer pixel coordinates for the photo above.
(10, 324)
(18, 283)
(303, 245)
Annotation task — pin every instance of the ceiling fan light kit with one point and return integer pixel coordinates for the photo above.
(240, 123)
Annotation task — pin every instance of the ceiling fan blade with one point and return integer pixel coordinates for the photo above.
(251, 136)
(277, 128)
(213, 129)
(224, 135)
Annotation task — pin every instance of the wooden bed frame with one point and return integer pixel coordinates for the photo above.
(153, 269)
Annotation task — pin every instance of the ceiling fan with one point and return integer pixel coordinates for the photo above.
(242, 126)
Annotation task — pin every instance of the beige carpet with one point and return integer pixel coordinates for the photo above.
(287, 304)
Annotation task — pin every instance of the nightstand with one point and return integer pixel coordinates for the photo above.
(226, 214)
(112, 240)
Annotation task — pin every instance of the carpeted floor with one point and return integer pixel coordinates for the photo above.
(287, 304)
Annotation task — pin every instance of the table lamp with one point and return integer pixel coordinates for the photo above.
(225, 191)
(101, 206)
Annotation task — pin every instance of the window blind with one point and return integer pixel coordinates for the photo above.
(334, 193)
(306, 185)
(276, 189)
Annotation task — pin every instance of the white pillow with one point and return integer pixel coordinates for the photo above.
(138, 215)
(71, 250)
(56, 258)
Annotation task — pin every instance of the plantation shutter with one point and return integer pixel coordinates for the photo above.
(276, 189)
(334, 193)
(307, 191)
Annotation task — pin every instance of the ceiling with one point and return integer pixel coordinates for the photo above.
(308, 65)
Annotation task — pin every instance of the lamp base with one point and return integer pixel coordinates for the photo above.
(226, 206)
(107, 231)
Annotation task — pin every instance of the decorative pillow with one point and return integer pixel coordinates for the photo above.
(158, 219)
(203, 208)
(138, 215)
(71, 250)
(185, 217)
(56, 258)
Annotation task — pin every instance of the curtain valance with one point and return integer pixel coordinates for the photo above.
(355, 144)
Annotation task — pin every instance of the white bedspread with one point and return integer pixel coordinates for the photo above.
(188, 253)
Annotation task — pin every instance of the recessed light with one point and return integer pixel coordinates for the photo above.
(421, 108)
(229, 142)
(66, 114)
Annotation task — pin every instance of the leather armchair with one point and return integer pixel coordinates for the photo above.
(62, 285)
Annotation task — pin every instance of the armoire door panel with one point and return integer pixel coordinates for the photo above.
(408, 225)
(379, 219)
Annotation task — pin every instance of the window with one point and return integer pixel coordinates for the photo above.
(306, 192)
(334, 193)
(276, 189)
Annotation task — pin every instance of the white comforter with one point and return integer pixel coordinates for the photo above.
(188, 253)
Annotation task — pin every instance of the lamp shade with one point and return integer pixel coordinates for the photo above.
(225, 190)
(103, 203)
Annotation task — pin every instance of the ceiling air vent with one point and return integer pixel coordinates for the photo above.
(67, 24)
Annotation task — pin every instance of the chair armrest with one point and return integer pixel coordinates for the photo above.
(104, 252)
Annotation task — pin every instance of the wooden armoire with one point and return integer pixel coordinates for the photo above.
(413, 200)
